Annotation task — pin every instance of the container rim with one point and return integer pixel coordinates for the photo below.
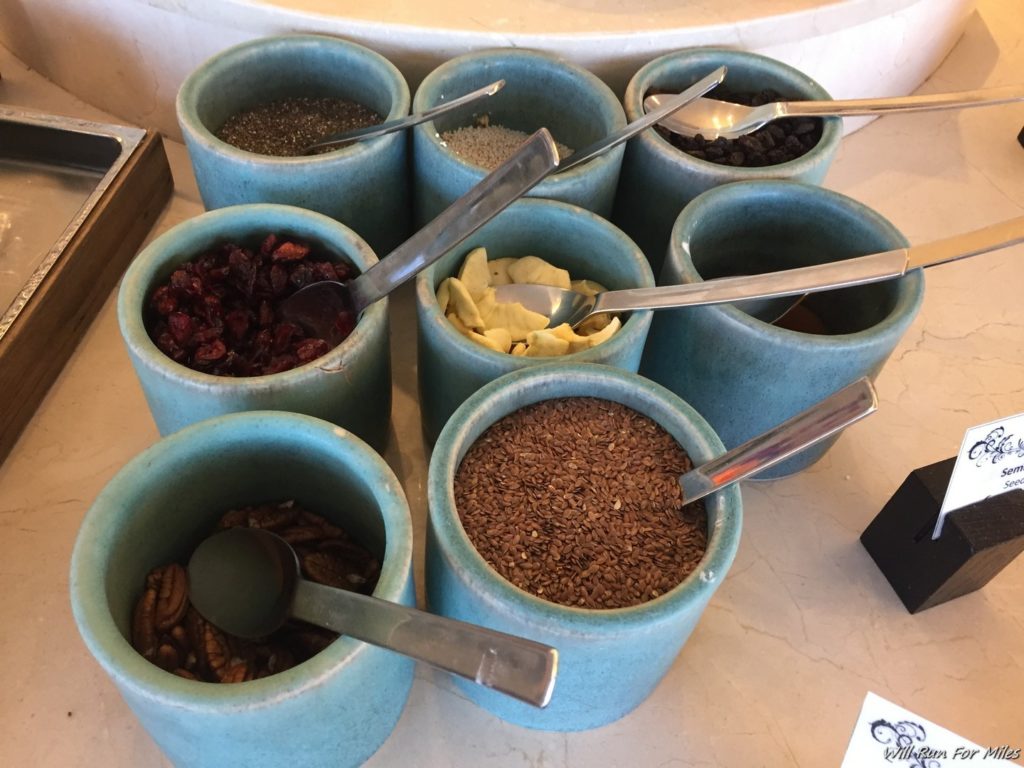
(515, 390)
(98, 532)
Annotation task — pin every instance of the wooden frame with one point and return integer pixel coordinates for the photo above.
(37, 343)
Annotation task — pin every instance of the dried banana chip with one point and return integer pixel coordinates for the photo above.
(499, 270)
(515, 318)
(475, 274)
(469, 303)
(594, 323)
(536, 271)
(588, 287)
(458, 324)
(501, 337)
(464, 306)
(444, 295)
(605, 333)
(576, 342)
(487, 341)
(545, 344)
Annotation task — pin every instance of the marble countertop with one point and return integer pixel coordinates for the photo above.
(803, 626)
(538, 19)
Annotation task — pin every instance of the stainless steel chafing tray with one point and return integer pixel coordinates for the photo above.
(76, 200)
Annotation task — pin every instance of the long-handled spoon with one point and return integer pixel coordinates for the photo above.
(712, 118)
(247, 582)
(401, 123)
(826, 417)
(317, 307)
(664, 109)
(567, 306)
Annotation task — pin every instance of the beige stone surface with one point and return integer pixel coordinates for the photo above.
(804, 624)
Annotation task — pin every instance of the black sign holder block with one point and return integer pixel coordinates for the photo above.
(976, 543)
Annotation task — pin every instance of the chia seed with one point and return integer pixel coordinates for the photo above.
(284, 128)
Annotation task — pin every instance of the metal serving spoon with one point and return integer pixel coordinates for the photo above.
(823, 419)
(667, 107)
(567, 306)
(317, 307)
(247, 582)
(711, 118)
(401, 123)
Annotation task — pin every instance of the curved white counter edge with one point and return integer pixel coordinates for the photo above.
(128, 57)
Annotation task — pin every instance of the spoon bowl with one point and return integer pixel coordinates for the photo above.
(712, 119)
(568, 306)
(247, 582)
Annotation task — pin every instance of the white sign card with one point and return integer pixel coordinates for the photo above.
(889, 736)
(990, 462)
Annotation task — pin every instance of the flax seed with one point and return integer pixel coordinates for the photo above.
(594, 530)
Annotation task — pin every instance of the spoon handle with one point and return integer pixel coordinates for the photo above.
(825, 418)
(408, 121)
(670, 105)
(844, 273)
(536, 158)
(790, 282)
(982, 97)
(513, 665)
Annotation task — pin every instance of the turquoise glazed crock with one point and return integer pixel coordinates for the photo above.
(658, 180)
(609, 660)
(451, 367)
(541, 91)
(744, 375)
(364, 185)
(349, 386)
(333, 710)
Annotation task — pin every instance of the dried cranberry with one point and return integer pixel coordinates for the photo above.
(324, 270)
(266, 314)
(283, 334)
(278, 279)
(311, 349)
(237, 322)
(268, 244)
(215, 350)
(187, 283)
(301, 275)
(281, 363)
(289, 251)
(218, 312)
(164, 301)
(180, 326)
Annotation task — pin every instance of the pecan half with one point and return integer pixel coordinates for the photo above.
(167, 657)
(215, 651)
(172, 598)
(237, 673)
(144, 634)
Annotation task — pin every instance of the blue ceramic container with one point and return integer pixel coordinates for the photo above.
(743, 375)
(364, 185)
(541, 91)
(451, 367)
(333, 710)
(609, 660)
(349, 386)
(658, 180)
